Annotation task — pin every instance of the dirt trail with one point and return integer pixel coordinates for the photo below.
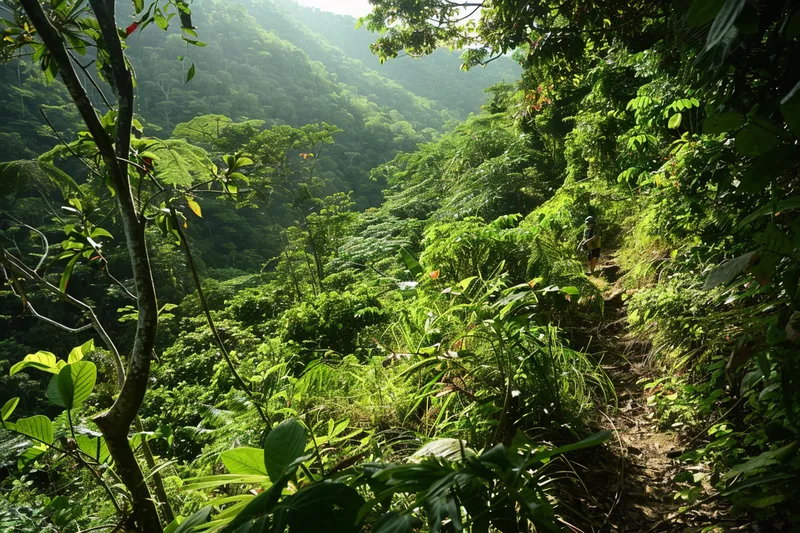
(632, 483)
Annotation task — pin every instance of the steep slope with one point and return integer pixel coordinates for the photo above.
(437, 77)
(245, 71)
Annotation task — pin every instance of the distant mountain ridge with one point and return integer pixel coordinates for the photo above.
(437, 77)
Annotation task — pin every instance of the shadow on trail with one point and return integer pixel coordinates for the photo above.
(628, 484)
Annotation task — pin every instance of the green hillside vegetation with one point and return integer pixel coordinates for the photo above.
(305, 299)
(437, 77)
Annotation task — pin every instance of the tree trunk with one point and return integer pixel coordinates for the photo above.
(115, 423)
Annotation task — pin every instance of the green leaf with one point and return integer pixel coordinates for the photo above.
(728, 271)
(791, 25)
(41, 360)
(396, 523)
(754, 140)
(242, 162)
(190, 74)
(790, 108)
(764, 460)
(53, 394)
(244, 461)
(776, 241)
(31, 453)
(323, 507)
(412, 264)
(75, 383)
(572, 291)
(284, 444)
(62, 285)
(752, 482)
(138, 6)
(8, 408)
(160, 20)
(100, 232)
(724, 21)
(94, 447)
(465, 283)
(784, 205)
(38, 427)
(263, 503)
(208, 482)
(198, 518)
(449, 449)
(79, 352)
(723, 122)
(593, 440)
(675, 121)
(702, 12)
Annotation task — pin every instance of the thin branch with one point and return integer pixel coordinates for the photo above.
(210, 320)
(44, 239)
(75, 456)
(13, 263)
(125, 290)
(52, 322)
(91, 79)
(65, 143)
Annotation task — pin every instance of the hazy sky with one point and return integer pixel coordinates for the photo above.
(356, 8)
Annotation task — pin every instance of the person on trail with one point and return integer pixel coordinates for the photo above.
(591, 243)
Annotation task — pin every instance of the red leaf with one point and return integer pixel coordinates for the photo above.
(132, 28)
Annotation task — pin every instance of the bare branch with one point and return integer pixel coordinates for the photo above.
(54, 323)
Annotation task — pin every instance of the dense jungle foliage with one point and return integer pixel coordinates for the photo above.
(265, 270)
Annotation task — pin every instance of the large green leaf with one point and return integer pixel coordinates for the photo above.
(207, 482)
(94, 447)
(723, 22)
(8, 408)
(784, 205)
(284, 444)
(728, 271)
(198, 518)
(411, 263)
(449, 449)
(790, 109)
(31, 453)
(594, 440)
(38, 427)
(702, 12)
(764, 460)
(53, 394)
(248, 461)
(79, 352)
(75, 383)
(263, 503)
(41, 360)
(755, 139)
(396, 523)
(62, 284)
(323, 507)
(723, 122)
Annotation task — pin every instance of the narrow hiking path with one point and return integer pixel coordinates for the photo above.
(634, 485)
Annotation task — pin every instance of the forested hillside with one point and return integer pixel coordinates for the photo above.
(254, 280)
(437, 77)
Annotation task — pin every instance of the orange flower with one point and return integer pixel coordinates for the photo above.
(434, 274)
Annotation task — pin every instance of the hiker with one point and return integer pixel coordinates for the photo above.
(591, 243)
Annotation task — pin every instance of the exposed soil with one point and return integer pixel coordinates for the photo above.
(630, 482)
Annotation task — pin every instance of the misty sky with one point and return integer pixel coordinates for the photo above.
(356, 8)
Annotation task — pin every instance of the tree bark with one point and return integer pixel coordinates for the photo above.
(115, 423)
